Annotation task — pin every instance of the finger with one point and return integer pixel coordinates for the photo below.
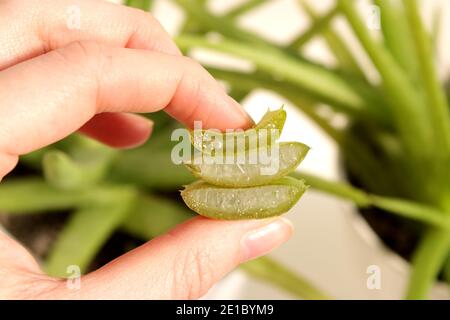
(86, 78)
(14, 256)
(20, 275)
(185, 263)
(44, 25)
(118, 130)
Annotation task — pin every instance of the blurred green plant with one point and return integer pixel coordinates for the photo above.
(396, 145)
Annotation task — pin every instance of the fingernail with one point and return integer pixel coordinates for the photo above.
(242, 114)
(147, 123)
(264, 239)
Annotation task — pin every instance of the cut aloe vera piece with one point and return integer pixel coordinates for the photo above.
(252, 170)
(272, 120)
(265, 132)
(259, 202)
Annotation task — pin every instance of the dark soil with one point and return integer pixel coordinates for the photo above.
(397, 234)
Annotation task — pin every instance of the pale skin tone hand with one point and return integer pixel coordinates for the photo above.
(55, 81)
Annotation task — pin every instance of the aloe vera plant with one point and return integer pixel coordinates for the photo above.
(239, 187)
(248, 174)
(259, 202)
(395, 147)
(267, 129)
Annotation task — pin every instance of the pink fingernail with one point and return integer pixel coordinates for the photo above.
(241, 113)
(264, 239)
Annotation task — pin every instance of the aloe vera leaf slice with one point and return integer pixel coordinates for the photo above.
(250, 174)
(214, 141)
(272, 120)
(259, 202)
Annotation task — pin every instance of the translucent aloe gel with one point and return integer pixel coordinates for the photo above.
(238, 186)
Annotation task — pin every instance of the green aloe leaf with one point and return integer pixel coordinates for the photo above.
(334, 40)
(151, 165)
(405, 100)
(317, 26)
(350, 97)
(398, 36)
(248, 174)
(435, 95)
(260, 202)
(401, 207)
(88, 229)
(427, 262)
(222, 24)
(153, 215)
(65, 173)
(33, 195)
(244, 7)
(268, 270)
(140, 4)
(447, 270)
(269, 128)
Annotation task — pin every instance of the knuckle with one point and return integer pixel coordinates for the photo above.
(80, 53)
(196, 82)
(145, 23)
(139, 15)
(192, 66)
(144, 20)
(193, 274)
(198, 77)
(146, 27)
(196, 93)
(86, 59)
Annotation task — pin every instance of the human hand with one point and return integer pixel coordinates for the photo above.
(55, 80)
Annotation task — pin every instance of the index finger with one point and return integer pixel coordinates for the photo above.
(46, 25)
(46, 98)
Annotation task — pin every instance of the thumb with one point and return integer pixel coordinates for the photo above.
(20, 275)
(184, 263)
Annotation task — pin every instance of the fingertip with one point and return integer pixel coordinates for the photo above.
(264, 239)
(243, 119)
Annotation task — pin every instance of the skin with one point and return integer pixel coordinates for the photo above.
(55, 81)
